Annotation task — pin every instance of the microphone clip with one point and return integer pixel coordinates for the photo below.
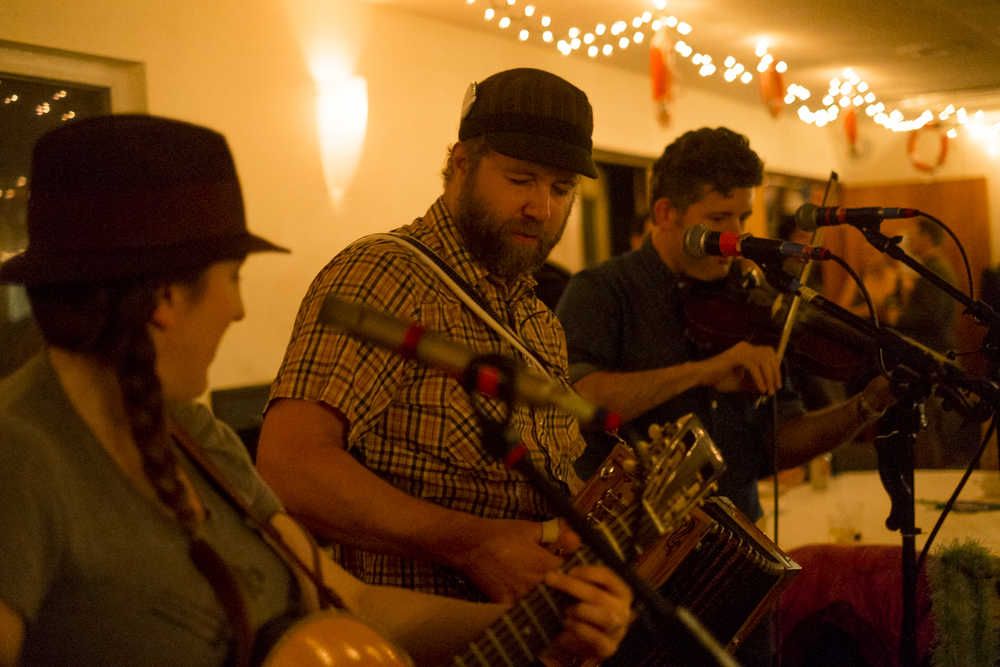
(490, 375)
(888, 245)
(779, 279)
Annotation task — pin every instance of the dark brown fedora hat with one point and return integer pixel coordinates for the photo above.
(130, 195)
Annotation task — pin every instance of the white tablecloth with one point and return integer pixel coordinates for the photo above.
(854, 505)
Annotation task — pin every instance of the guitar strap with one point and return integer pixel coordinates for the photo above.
(463, 290)
(471, 299)
(327, 597)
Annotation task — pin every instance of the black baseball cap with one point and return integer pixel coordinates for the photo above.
(533, 115)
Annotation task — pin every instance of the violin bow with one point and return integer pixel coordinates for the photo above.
(793, 310)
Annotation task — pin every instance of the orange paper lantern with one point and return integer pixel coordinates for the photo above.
(772, 91)
(661, 74)
(851, 129)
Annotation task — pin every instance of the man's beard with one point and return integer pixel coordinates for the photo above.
(487, 237)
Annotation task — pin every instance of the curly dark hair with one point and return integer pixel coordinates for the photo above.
(718, 158)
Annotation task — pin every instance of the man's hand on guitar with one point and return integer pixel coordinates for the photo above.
(504, 559)
(595, 626)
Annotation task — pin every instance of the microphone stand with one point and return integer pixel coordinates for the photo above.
(895, 445)
(890, 246)
(917, 369)
(501, 442)
(983, 313)
(908, 424)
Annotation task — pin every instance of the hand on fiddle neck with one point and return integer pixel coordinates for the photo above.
(743, 368)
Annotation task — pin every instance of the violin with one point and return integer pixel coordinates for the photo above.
(743, 307)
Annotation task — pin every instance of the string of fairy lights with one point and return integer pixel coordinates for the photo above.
(42, 108)
(846, 91)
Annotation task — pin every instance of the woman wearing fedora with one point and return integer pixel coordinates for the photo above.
(133, 527)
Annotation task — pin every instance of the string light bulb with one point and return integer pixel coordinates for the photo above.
(847, 89)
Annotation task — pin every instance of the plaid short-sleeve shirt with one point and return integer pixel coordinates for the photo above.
(414, 425)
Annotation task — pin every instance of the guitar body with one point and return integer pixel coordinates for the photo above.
(334, 638)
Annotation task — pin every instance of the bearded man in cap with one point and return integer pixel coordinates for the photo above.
(384, 455)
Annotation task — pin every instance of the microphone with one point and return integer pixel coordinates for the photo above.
(699, 242)
(412, 341)
(809, 216)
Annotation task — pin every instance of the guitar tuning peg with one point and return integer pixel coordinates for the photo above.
(642, 452)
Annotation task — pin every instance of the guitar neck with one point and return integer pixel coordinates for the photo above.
(685, 470)
(535, 620)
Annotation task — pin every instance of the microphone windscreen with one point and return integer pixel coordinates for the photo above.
(805, 217)
(694, 241)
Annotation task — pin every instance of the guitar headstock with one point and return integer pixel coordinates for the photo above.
(660, 479)
(680, 466)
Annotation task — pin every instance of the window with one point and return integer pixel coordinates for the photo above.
(41, 89)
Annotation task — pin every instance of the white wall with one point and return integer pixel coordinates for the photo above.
(254, 69)
(884, 159)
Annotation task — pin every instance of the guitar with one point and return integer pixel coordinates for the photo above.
(672, 474)
(331, 638)
(638, 499)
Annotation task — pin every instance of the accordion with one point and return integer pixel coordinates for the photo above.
(714, 561)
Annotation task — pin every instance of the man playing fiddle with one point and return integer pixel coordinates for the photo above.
(626, 339)
(625, 331)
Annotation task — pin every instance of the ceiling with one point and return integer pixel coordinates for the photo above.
(914, 54)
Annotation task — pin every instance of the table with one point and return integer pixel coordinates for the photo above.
(853, 506)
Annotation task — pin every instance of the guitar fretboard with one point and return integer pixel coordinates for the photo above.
(691, 464)
(527, 628)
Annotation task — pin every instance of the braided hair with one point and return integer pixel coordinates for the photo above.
(108, 322)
